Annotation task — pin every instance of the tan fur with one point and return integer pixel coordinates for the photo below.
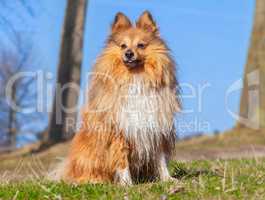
(95, 157)
(108, 141)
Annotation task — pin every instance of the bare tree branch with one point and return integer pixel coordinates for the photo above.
(23, 93)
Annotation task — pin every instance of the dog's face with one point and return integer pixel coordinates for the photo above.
(132, 48)
(136, 50)
(134, 44)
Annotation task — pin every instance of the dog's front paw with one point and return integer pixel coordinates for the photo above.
(123, 177)
(125, 182)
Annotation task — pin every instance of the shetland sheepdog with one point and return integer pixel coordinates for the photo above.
(127, 131)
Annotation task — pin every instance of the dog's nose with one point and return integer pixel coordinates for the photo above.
(129, 54)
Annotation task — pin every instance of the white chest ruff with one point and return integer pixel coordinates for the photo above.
(146, 115)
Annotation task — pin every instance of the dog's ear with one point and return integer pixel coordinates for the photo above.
(147, 23)
(121, 23)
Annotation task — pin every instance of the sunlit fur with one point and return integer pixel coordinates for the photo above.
(127, 121)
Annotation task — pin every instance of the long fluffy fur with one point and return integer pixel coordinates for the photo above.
(128, 117)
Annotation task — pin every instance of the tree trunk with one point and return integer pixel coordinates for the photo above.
(64, 113)
(12, 118)
(252, 105)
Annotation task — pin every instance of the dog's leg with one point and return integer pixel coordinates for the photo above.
(162, 168)
(123, 176)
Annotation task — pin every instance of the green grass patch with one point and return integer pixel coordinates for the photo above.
(206, 180)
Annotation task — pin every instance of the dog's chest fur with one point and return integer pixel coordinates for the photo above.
(146, 115)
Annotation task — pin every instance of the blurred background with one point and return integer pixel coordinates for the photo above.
(45, 43)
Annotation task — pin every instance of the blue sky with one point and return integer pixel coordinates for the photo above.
(209, 41)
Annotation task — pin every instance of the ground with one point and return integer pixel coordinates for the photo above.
(226, 166)
(207, 180)
(235, 143)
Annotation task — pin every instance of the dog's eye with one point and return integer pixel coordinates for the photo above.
(141, 45)
(123, 46)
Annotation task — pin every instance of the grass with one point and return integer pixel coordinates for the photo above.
(206, 180)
